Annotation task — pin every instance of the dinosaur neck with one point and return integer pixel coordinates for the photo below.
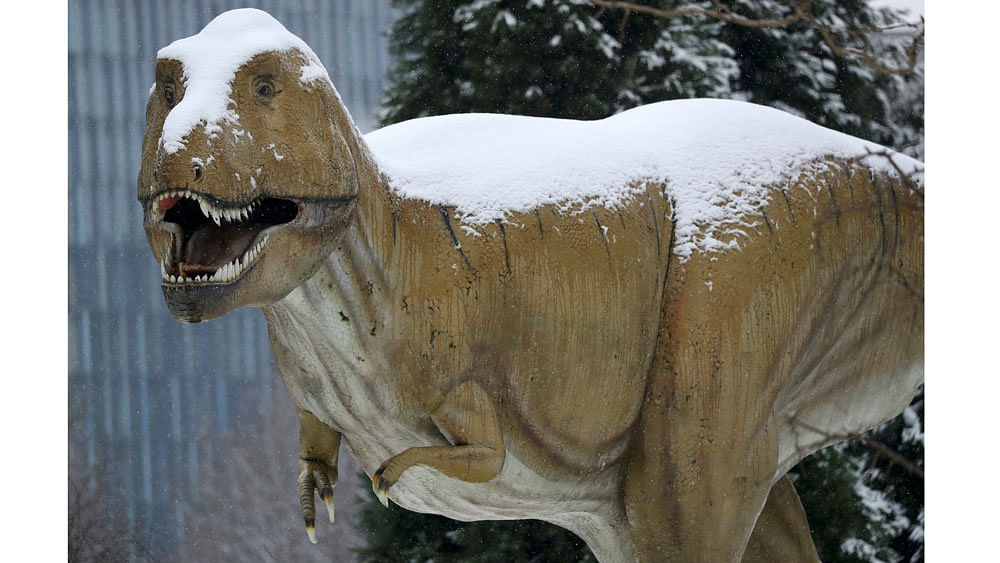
(329, 333)
(348, 292)
(374, 223)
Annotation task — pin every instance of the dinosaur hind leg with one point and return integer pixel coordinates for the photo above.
(781, 532)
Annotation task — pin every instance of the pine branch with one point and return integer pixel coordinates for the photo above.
(802, 10)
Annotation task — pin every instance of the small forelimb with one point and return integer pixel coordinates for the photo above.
(467, 419)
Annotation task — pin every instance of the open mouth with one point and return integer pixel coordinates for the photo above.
(214, 243)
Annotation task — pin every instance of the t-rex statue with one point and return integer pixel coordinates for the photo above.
(631, 328)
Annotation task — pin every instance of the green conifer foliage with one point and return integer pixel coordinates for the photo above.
(552, 58)
(397, 535)
(793, 69)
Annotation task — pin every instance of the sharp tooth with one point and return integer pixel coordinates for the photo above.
(216, 218)
(245, 213)
(204, 208)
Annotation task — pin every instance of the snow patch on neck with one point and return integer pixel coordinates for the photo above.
(211, 59)
(719, 161)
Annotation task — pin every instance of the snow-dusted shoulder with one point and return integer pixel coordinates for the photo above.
(717, 159)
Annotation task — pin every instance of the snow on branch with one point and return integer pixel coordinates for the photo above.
(802, 10)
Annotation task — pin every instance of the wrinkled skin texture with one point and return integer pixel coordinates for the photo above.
(541, 370)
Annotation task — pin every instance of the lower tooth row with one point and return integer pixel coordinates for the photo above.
(226, 273)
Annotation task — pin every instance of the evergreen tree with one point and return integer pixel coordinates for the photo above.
(552, 58)
(793, 69)
(567, 58)
(397, 535)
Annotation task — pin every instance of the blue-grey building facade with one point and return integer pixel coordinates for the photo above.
(149, 396)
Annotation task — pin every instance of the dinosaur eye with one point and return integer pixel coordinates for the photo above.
(169, 94)
(264, 88)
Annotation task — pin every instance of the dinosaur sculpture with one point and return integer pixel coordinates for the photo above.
(631, 328)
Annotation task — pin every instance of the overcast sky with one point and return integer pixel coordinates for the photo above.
(915, 6)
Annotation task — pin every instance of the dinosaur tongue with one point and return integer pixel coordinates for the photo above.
(212, 246)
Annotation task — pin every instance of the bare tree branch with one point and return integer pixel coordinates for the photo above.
(802, 10)
(879, 447)
(722, 12)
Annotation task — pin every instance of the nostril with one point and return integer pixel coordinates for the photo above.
(197, 172)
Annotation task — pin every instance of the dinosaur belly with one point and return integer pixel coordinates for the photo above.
(321, 367)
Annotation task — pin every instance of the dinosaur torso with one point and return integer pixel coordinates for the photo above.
(558, 312)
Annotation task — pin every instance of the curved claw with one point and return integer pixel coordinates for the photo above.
(314, 476)
(327, 495)
(381, 488)
(311, 530)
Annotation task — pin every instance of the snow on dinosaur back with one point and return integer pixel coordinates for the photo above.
(717, 159)
(211, 59)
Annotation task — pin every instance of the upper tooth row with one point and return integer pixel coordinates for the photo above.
(217, 214)
(226, 273)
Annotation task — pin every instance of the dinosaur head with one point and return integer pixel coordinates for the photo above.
(249, 166)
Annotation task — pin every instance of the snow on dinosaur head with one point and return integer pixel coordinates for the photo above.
(249, 165)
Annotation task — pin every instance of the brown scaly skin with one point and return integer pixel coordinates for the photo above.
(652, 412)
